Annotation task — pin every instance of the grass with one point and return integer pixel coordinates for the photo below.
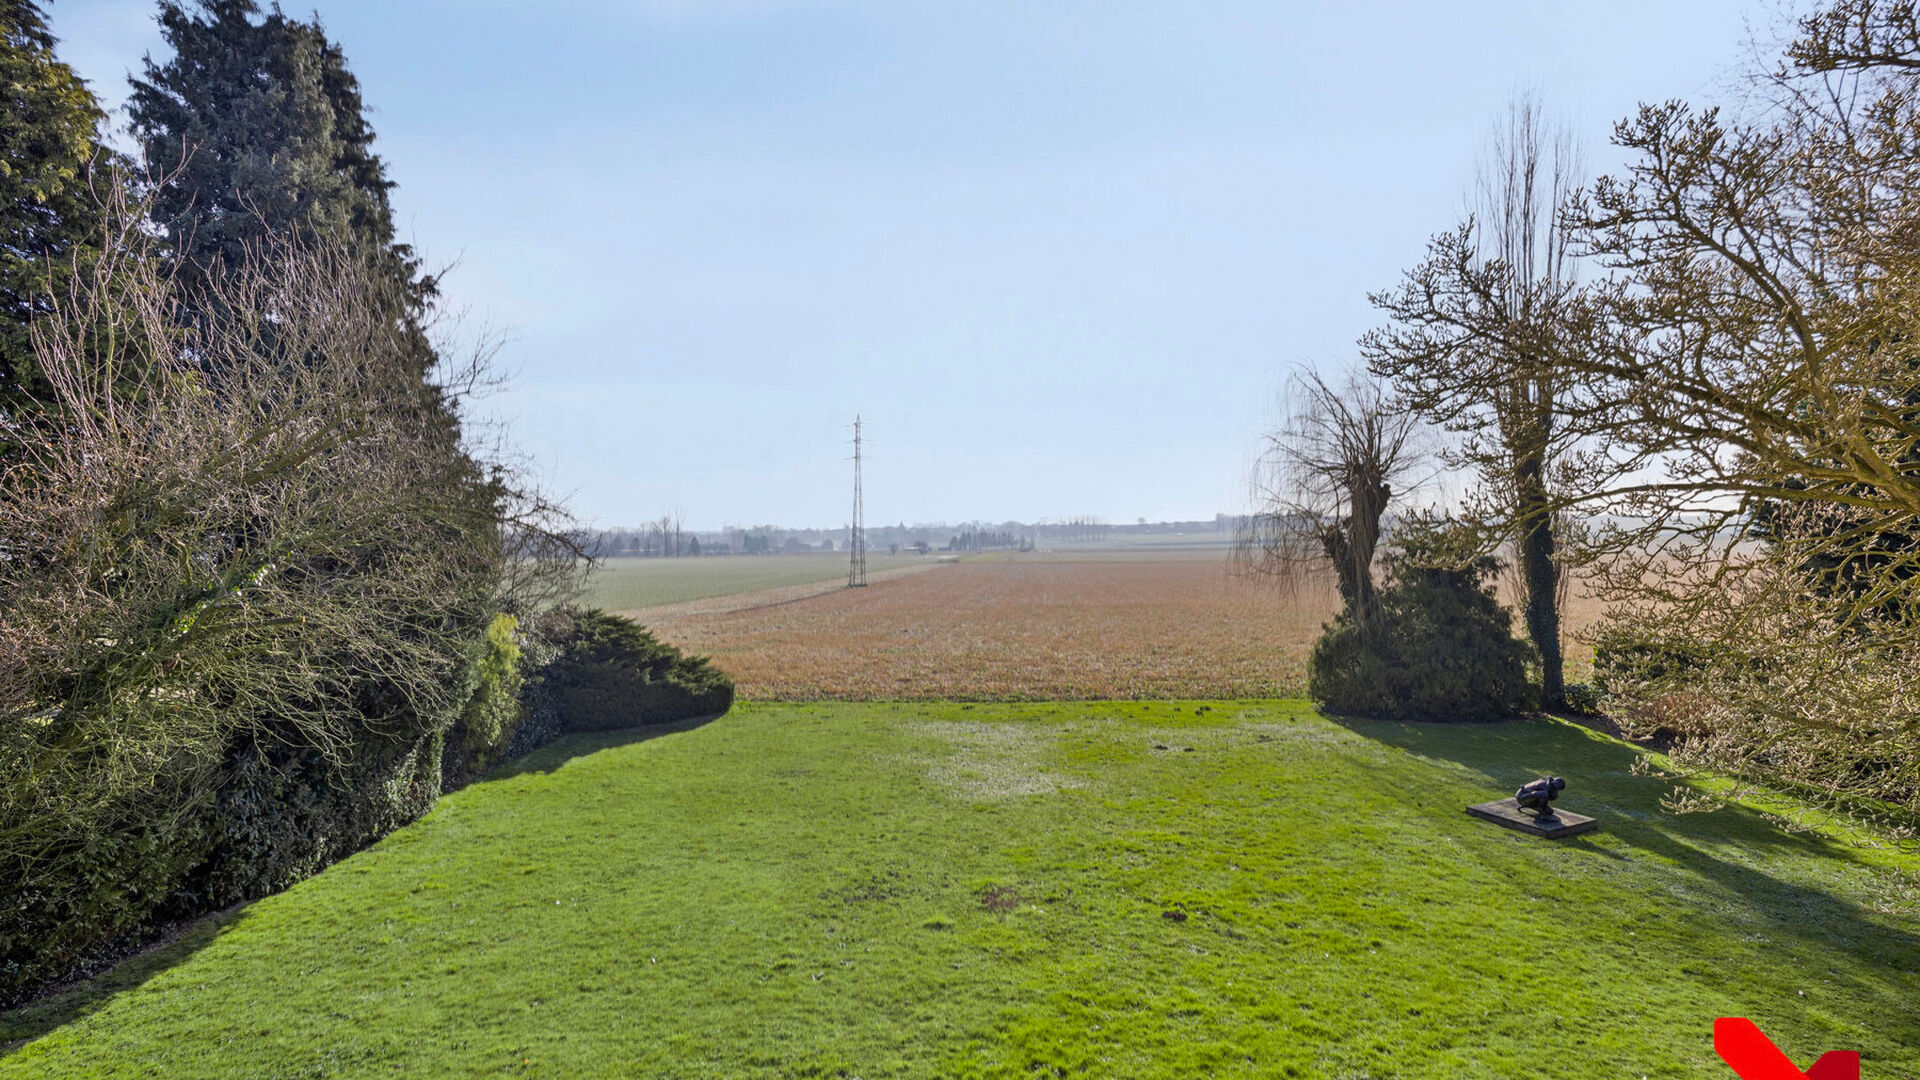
(628, 584)
(1088, 889)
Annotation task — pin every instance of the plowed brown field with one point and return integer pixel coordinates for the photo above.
(1020, 627)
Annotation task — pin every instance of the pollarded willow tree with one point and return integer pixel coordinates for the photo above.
(1479, 341)
(1325, 483)
(1433, 643)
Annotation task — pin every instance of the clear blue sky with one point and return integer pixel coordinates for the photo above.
(1060, 255)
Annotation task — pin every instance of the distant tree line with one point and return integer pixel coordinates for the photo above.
(668, 537)
(988, 541)
(1693, 383)
(1080, 529)
(664, 537)
(262, 597)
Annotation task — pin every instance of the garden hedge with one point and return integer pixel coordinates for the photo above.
(612, 675)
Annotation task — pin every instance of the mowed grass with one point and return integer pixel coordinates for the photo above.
(1066, 889)
(627, 584)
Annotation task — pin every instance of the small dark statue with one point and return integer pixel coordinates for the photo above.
(1538, 797)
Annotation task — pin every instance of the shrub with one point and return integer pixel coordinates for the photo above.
(1582, 699)
(1652, 677)
(1761, 687)
(612, 675)
(539, 716)
(68, 908)
(1436, 646)
(285, 813)
(485, 729)
(239, 597)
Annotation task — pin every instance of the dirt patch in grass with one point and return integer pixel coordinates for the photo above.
(1000, 899)
(993, 761)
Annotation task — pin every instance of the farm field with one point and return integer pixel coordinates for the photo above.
(1090, 889)
(1139, 624)
(627, 584)
(1076, 625)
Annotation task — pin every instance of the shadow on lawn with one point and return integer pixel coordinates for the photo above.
(67, 1003)
(551, 757)
(1599, 782)
(74, 1001)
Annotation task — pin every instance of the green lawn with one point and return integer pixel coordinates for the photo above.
(1232, 889)
(625, 584)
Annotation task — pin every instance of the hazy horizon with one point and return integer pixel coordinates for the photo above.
(1060, 258)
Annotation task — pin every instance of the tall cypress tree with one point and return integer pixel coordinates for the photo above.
(259, 130)
(49, 123)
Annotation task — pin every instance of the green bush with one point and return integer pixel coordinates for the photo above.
(486, 727)
(1436, 646)
(539, 722)
(1582, 699)
(286, 813)
(275, 812)
(215, 828)
(612, 675)
(1663, 684)
(77, 905)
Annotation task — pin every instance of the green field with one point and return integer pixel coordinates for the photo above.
(628, 583)
(1101, 890)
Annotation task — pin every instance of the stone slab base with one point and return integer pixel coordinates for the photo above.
(1507, 812)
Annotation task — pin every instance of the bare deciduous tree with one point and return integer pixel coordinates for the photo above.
(1857, 35)
(1478, 343)
(1325, 482)
(1762, 359)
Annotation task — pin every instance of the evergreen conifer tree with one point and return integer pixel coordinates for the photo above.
(49, 122)
(1435, 646)
(259, 131)
(261, 151)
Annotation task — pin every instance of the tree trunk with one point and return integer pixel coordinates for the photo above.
(1350, 545)
(1541, 576)
(1356, 589)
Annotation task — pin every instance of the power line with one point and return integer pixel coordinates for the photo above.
(857, 543)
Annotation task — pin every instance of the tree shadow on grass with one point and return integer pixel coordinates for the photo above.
(1600, 782)
(555, 755)
(68, 1002)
